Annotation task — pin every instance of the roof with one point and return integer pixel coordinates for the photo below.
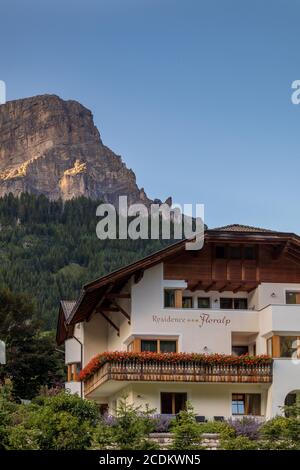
(92, 292)
(64, 330)
(67, 307)
(243, 228)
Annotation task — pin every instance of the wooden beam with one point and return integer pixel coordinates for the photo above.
(224, 287)
(138, 276)
(109, 321)
(253, 287)
(122, 310)
(196, 286)
(109, 309)
(209, 287)
(238, 288)
(115, 295)
(109, 288)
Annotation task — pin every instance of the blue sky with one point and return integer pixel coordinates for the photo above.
(195, 95)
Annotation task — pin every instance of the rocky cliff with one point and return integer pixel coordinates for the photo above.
(50, 146)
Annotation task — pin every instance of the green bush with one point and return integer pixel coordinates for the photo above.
(7, 408)
(186, 431)
(217, 427)
(23, 438)
(130, 431)
(83, 410)
(63, 422)
(239, 443)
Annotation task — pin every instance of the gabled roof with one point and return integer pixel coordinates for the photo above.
(243, 228)
(67, 307)
(64, 330)
(97, 289)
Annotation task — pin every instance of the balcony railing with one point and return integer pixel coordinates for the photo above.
(133, 370)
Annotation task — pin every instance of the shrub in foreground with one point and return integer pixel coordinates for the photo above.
(186, 431)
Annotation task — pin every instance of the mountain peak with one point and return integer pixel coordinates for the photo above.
(51, 146)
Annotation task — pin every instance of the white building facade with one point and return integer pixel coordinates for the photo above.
(238, 297)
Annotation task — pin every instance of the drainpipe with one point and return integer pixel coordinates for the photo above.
(81, 363)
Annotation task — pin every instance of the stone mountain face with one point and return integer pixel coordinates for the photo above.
(50, 146)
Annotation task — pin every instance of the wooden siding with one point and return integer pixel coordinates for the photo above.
(203, 267)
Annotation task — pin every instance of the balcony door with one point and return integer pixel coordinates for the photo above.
(172, 403)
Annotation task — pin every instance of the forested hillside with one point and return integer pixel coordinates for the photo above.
(48, 249)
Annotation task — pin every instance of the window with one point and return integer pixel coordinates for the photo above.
(238, 404)
(173, 298)
(167, 346)
(240, 350)
(170, 298)
(246, 404)
(221, 252)
(73, 371)
(292, 297)
(249, 253)
(159, 345)
(203, 302)
(240, 304)
(187, 302)
(233, 303)
(226, 303)
(172, 403)
(289, 346)
(149, 345)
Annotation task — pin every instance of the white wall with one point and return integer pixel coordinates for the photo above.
(286, 379)
(73, 387)
(95, 337)
(72, 351)
(196, 329)
(273, 294)
(208, 400)
(280, 319)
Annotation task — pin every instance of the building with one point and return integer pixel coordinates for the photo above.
(237, 297)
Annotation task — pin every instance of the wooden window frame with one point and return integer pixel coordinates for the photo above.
(203, 297)
(188, 297)
(233, 302)
(276, 348)
(173, 403)
(137, 343)
(246, 402)
(177, 297)
(72, 372)
(289, 291)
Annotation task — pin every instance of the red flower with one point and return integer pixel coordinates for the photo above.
(212, 359)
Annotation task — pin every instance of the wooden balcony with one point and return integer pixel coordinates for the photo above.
(132, 370)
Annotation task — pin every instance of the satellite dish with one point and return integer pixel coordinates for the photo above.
(2, 352)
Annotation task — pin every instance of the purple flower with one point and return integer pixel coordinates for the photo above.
(247, 426)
